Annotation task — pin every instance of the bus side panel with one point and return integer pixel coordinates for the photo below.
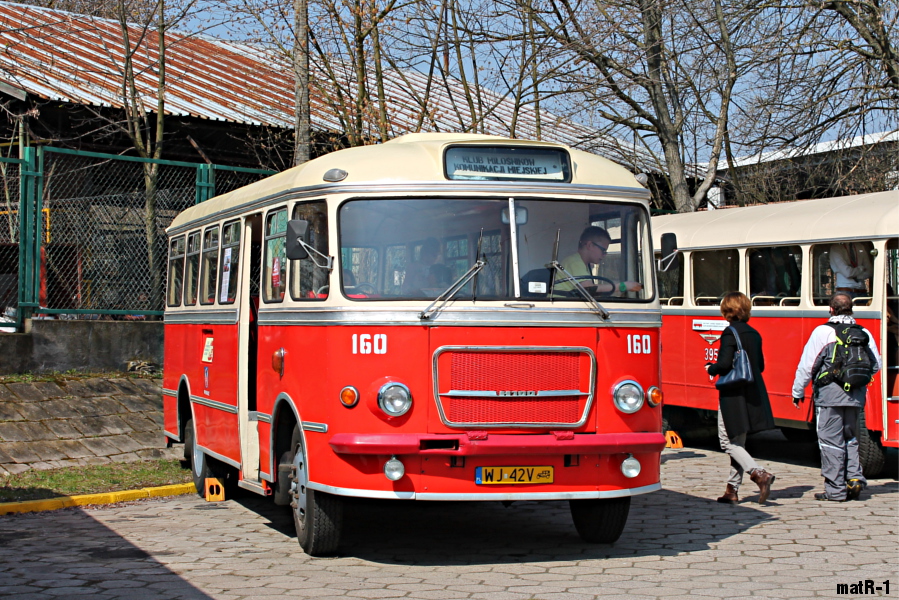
(674, 330)
(700, 391)
(874, 404)
(783, 339)
(175, 364)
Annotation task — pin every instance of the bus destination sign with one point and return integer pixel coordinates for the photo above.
(506, 163)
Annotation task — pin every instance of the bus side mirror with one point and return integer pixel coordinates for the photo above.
(296, 233)
(669, 250)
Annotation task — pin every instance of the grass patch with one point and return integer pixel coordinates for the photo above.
(93, 479)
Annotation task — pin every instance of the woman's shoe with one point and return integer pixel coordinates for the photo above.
(730, 495)
(763, 479)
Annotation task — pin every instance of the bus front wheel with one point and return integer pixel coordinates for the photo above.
(199, 462)
(600, 521)
(318, 516)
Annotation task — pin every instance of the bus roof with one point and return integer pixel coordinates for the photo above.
(416, 157)
(864, 216)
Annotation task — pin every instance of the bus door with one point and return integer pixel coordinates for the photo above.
(247, 349)
(889, 347)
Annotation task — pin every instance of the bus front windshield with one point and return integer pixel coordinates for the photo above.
(415, 249)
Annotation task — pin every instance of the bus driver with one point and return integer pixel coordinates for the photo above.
(591, 250)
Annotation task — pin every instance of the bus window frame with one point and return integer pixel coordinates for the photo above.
(294, 266)
(232, 274)
(266, 285)
(169, 296)
(204, 289)
(198, 234)
(778, 301)
(741, 274)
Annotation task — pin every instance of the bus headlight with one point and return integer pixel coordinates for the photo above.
(628, 396)
(394, 399)
(630, 467)
(654, 396)
(394, 469)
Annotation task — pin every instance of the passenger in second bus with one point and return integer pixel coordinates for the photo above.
(592, 249)
(743, 409)
(851, 266)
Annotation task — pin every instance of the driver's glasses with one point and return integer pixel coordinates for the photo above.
(605, 249)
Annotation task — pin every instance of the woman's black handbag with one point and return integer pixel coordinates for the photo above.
(741, 373)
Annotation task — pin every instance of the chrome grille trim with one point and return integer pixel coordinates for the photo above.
(491, 394)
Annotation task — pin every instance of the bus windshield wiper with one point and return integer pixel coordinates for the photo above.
(451, 291)
(556, 266)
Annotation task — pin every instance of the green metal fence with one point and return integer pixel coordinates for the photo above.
(86, 231)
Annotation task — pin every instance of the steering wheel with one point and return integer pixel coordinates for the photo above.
(592, 277)
(323, 289)
(366, 288)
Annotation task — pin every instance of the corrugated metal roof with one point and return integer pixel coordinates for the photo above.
(79, 59)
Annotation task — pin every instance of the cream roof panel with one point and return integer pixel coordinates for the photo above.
(863, 215)
(415, 157)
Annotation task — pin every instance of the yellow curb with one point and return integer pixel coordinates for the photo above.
(7, 508)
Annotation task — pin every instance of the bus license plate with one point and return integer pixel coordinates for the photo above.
(511, 475)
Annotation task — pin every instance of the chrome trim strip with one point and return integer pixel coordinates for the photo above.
(251, 486)
(512, 350)
(486, 497)
(202, 317)
(171, 435)
(168, 392)
(266, 477)
(761, 312)
(263, 418)
(214, 404)
(317, 427)
(218, 456)
(483, 316)
(536, 394)
(454, 187)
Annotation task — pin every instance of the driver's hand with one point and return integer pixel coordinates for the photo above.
(633, 286)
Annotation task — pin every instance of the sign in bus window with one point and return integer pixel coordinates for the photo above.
(209, 274)
(775, 275)
(192, 272)
(715, 272)
(308, 280)
(230, 262)
(274, 273)
(842, 267)
(176, 271)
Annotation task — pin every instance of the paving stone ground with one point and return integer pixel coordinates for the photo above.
(679, 543)
(48, 425)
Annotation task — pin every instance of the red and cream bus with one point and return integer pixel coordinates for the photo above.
(780, 256)
(384, 322)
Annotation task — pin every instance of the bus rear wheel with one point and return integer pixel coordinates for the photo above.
(600, 521)
(870, 451)
(199, 462)
(317, 516)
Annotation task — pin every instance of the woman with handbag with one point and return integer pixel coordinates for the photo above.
(743, 406)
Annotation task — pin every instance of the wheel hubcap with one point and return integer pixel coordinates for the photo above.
(197, 457)
(298, 485)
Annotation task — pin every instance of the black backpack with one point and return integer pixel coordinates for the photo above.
(849, 363)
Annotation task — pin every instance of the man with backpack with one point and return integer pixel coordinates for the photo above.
(839, 359)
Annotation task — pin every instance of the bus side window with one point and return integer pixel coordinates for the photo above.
(209, 268)
(775, 275)
(230, 263)
(274, 272)
(176, 271)
(308, 281)
(715, 272)
(850, 267)
(671, 282)
(192, 274)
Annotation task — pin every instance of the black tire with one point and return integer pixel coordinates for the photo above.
(317, 516)
(600, 521)
(799, 436)
(870, 451)
(199, 462)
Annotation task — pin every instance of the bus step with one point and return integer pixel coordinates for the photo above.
(672, 440)
(215, 490)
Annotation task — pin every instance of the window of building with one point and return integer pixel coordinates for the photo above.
(715, 272)
(192, 273)
(775, 275)
(230, 262)
(209, 269)
(274, 271)
(176, 271)
(308, 281)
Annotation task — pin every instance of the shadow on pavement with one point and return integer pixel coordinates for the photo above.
(662, 523)
(67, 554)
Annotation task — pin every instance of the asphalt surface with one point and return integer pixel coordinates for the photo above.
(678, 543)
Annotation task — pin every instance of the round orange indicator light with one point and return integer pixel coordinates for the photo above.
(654, 396)
(349, 396)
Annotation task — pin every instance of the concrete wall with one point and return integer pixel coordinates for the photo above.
(58, 345)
